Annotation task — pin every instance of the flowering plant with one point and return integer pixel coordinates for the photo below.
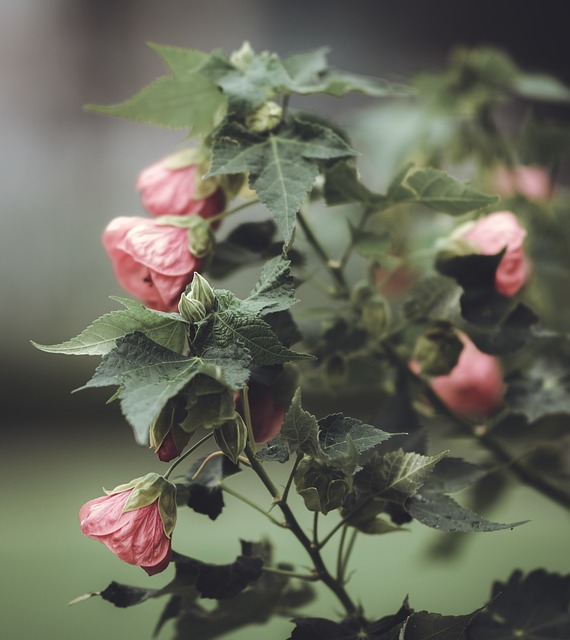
(428, 323)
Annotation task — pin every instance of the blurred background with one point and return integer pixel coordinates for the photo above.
(65, 173)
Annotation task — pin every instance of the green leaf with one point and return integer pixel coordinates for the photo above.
(395, 476)
(282, 165)
(439, 191)
(434, 298)
(186, 101)
(339, 83)
(342, 185)
(433, 626)
(180, 61)
(122, 595)
(453, 474)
(370, 245)
(149, 375)
(274, 291)
(166, 329)
(336, 430)
(538, 86)
(232, 326)
(439, 511)
(300, 428)
(305, 67)
(532, 607)
(276, 450)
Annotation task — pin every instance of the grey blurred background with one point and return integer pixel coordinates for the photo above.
(65, 173)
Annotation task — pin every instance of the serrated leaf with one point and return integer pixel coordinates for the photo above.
(149, 375)
(233, 326)
(180, 61)
(276, 450)
(370, 245)
(339, 83)
(274, 291)
(453, 474)
(396, 475)
(434, 298)
(305, 67)
(300, 428)
(343, 185)
(439, 191)
(336, 430)
(166, 329)
(433, 626)
(282, 165)
(535, 607)
(191, 101)
(439, 511)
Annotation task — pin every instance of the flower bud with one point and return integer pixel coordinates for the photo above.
(438, 349)
(265, 118)
(201, 291)
(243, 57)
(166, 436)
(376, 315)
(192, 310)
(322, 486)
(200, 237)
(231, 437)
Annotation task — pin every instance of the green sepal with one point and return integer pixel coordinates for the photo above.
(322, 486)
(168, 420)
(209, 404)
(231, 437)
(201, 291)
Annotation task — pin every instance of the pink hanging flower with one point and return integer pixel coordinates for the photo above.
(531, 181)
(498, 231)
(474, 388)
(135, 521)
(266, 415)
(151, 261)
(172, 191)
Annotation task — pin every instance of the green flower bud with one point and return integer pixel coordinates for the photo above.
(376, 315)
(243, 57)
(438, 349)
(192, 310)
(231, 437)
(201, 291)
(361, 293)
(265, 118)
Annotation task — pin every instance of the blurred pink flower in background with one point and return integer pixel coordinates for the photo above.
(531, 181)
(151, 261)
(492, 234)
(266, 415)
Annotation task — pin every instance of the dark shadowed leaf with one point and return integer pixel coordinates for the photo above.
(434, 626)
(336, 429)
(122, 595)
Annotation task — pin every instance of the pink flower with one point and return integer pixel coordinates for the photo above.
(266, 415)
(474, 388)
(135, 521)
(151, 261)
(172, 191)
(498, 231)
(531, 181)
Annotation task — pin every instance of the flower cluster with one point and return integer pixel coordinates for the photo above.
(154, 258)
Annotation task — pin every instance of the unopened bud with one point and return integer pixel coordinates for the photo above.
(201, 291)
(438, 349)
(192, 310)
(265, 118)
(231, 437)
(361, 293)
(243, 57)
(376, 315)
(165, 435)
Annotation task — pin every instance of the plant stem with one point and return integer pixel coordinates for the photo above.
(187, 453)
(351, 542)
(314, 553)
(230, 212)
(334, 267)
(340, 553)
(252, 504)
(310, 577)
(291, 476)
(316, 529)
(247, 412)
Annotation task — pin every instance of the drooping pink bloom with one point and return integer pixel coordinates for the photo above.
(172, 191)
(136, 527)
(495, 232)
(474, 388)
(266, 415)
(531, 181)
(151, 261)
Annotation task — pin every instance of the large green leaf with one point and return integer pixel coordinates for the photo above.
(181, 61)
(186, 101)
(300, 428)
(148, 376)
(282, 165)
(336, 430)
(274, 291)
(166, 329)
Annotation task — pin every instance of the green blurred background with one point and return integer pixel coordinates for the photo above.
(64, 174)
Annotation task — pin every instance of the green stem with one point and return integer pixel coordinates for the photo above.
(187, 453)
(310, 577)
(314, 553)
(316, 529)
(340, 553)
(334, 267)
(230, 212)
(252, 504)
(247, 412)
(347, 555)
(291, 476)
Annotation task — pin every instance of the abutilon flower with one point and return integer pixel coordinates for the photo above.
(135, 521)
(168, 190)
(152, 261)
(266, 415)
